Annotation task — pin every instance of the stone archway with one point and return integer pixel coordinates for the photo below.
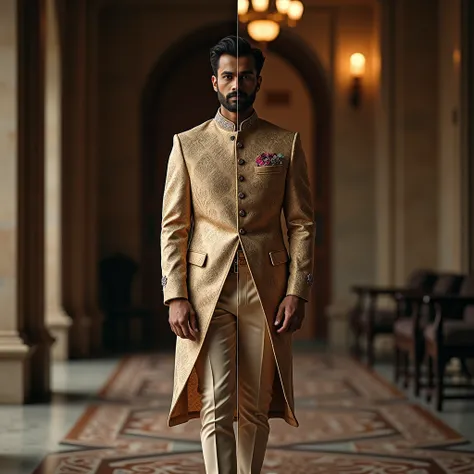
(155, 100)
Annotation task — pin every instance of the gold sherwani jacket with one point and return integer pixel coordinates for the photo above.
(215, 198)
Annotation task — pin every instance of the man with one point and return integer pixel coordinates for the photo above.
(235, 295)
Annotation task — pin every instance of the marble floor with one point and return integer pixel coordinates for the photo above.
(366, 415)
(459, 414)
(28, 433)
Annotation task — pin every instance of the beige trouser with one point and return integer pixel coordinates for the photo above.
(237, 352)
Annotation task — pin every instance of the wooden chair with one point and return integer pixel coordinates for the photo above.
(367, 320)
(450, 335)
(408, 330)
(116, 275)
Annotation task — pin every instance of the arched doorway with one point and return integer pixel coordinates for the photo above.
(182, 76)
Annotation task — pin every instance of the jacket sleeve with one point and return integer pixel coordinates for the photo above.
(299, 216)
(175, 226)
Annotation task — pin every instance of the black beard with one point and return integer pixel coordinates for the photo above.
(244, 103)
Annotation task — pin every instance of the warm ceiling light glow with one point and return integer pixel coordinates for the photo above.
(263, 30)
(260, 5)
(357, 64)
(295, 10)
(243, 7)
(283, 6)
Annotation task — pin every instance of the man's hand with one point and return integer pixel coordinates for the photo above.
(291, 312)
(183, 319)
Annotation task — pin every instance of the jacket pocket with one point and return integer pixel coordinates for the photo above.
(269, 169)
(278, 257)
(197, 258)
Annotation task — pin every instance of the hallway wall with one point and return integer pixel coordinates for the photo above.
(450, 146)
(131, 40)
(396, 161)
(407, 140)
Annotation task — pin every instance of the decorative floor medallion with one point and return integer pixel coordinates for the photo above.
(339, 403)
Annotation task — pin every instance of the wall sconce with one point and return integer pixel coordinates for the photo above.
(357, 69)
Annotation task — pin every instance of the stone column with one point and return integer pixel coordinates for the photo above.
(417, 136)
(450, 117)
(91, 192)
(467, 132)
(57, 320)
(407, 140)
(406, 143)
(14, 352)
(73, 175)
(384, 143)
(24, 341)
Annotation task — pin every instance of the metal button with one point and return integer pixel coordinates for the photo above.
(240, 145)
(241, 161)
(241, 178)
(242, 231)
(242, 213)
(232, 137)
(241, 195)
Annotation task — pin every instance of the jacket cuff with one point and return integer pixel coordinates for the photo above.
(173, 289)
(302, 297)
(300, 286)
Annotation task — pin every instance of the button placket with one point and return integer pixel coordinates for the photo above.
(241, 178)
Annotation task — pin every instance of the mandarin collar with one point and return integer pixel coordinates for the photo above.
(230, 126)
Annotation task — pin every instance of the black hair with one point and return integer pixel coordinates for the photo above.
(233, 45)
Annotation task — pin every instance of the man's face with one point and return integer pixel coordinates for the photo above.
(236, 83)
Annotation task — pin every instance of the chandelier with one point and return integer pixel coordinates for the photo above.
(264, 18)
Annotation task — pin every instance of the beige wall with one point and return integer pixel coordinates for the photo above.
(416, 136)
(407, 140)
(450, 205)
(131, 40)
(353, 179)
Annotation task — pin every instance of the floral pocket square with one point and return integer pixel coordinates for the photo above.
(269, 159)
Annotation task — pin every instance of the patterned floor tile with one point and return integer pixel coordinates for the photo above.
(407, 422)
(154, 424)
(322, 380)
(141, 380)
(102, 425)
(334, 380)
(276, 462)
(338, 401)
(113, 461)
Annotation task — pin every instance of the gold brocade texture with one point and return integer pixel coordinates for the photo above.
(205, 179)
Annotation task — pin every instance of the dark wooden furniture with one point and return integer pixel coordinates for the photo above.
(451, 334)
(408, 330)
(367, 320)
(116, 276)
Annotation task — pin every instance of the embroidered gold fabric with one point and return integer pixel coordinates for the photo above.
(212, 176)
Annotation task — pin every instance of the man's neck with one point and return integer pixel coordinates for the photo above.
(233, 116)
